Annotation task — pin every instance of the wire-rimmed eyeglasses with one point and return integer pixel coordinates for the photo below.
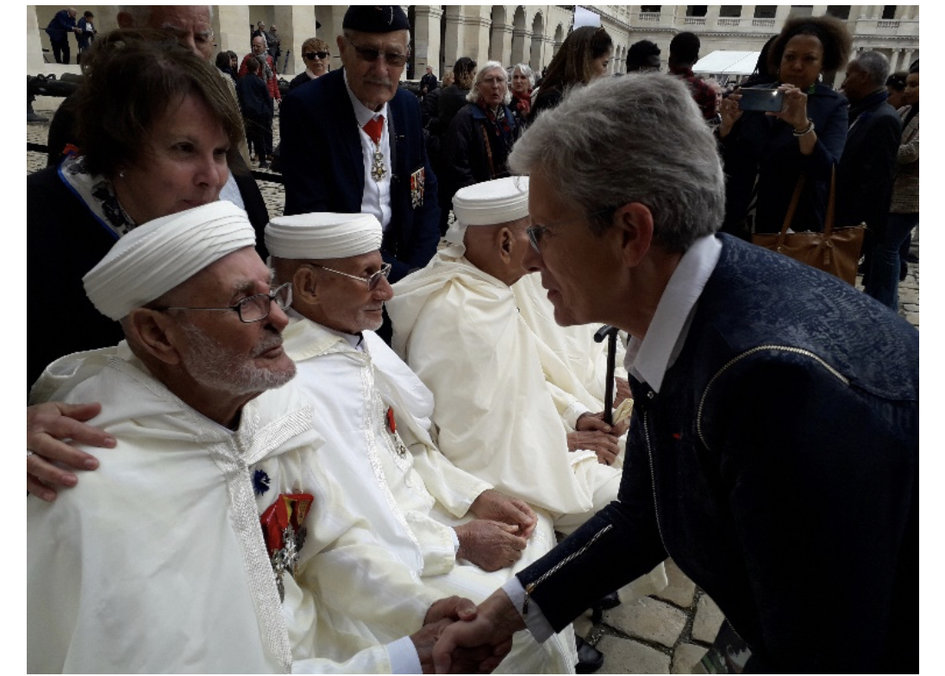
(536, 233)
(251, 309)
(371, 280)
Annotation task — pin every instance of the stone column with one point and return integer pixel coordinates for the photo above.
(519, 38)
(231, 26)
(426, 39)
(296, 24)
(502, 44)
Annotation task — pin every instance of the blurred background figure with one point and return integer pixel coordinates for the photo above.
(85, 34)
(683, 55)
(225, 65)
(315, 55)
(642, 56)
(889, 257)
(428, 82)
(480, 137)
(523, 81)
(583, 57)
(256, 107)
(895, 88)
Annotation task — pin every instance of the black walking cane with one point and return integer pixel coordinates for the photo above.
(611, 600)
(610, 333)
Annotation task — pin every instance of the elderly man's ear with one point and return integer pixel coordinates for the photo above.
(506, 243)
(151, 331)
(304, 285)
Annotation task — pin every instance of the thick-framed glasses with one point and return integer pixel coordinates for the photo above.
(371, 280)
(251, 309)
(311, 56)
(370, 54)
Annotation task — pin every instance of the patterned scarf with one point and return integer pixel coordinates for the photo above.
(98, 195)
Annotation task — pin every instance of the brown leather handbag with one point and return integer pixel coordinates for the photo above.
(835, 250)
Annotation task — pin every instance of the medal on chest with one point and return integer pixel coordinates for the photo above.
(284, 533)
(377, 165)
(392, 430)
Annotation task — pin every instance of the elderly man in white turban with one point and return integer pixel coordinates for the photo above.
(444, 527)
(189, 549)
(457, 325)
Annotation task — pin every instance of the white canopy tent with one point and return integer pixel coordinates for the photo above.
(726, 63)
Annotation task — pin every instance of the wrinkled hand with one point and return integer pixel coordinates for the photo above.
(450, 608)
(605, 445)
(491, 504)
(49, 427)
(590, 422)
(491, 545)
(622, 391)
(479, 645)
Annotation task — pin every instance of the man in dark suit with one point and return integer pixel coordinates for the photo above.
(868, 164)
(352, 141)
(773, 449)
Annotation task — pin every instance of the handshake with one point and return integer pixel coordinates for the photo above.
(459, 637)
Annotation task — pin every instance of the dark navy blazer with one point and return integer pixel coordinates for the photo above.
(324, 171)
(778, 467)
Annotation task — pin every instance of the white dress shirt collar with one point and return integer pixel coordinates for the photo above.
(648, 360)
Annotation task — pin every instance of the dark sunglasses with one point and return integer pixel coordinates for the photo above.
(370, 54)
(312, 55)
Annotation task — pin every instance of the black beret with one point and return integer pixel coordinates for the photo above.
(375, 19)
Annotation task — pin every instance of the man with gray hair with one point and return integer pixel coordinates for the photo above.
(192, 548)
(773, 449)
(867, 167)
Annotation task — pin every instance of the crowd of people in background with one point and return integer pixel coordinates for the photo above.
(377, 380)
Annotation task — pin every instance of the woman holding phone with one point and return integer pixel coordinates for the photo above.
(766, 151)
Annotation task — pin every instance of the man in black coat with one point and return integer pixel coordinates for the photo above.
(428, 82)
(352, 141)
(868, 164)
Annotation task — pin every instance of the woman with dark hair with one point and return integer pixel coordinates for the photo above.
(895, 88)
(805, 138)
(155, 126)
(584, 56)
(225, 65)
(454, 96)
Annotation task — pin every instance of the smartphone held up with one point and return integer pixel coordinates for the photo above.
(765, 100)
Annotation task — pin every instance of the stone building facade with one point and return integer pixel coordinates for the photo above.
(529, 33)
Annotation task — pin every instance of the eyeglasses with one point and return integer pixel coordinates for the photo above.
(371, 280)
(370, 54)
(251, 309)
(537, 232)
(311, 56)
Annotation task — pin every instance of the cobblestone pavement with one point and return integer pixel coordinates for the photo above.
(665, 633)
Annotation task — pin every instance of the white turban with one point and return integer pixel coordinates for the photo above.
(158, 255)
(488, 203)
(323, 235)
